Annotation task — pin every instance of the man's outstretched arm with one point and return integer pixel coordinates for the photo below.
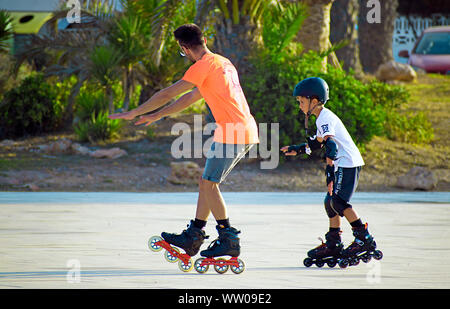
(157, 100)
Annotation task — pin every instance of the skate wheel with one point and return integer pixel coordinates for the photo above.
(240, 269)
(377, 255)
(200, 269)
(308, 262)
(366, 258)
(185, 267)
(343, 263)
(221, 267)
(354, 261)
(152, 243)
(331, 263)
(171, 258)
(320, 263)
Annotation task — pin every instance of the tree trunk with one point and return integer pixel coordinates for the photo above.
(236, 41)
(344, 18)
(375, 36)
(315, 32)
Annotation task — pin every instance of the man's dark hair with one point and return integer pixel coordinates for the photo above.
(189, 36)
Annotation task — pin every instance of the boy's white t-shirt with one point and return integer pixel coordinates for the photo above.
(348, 154)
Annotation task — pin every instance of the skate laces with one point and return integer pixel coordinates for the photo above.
(323, 244)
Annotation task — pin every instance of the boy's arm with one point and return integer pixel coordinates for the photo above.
(180, 104)
(313, 143)
(157, 100)
(330, 155)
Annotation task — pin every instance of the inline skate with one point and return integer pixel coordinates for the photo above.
(189, 240)
(363, 248)
(328, 252)
(227, 244)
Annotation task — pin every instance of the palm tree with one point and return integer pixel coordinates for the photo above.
(344, 19)
(238, 29)
(315, 32)
(104, 63)
(375, 39)
(129, 37)
(6, 31)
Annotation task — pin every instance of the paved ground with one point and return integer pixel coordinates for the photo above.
(48, 239)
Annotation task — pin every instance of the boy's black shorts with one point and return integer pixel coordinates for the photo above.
(345, 184)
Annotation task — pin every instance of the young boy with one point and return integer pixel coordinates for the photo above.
(216, 80)
(344, 163)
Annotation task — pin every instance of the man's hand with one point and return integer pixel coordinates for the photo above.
(126, 115)
(148, 119)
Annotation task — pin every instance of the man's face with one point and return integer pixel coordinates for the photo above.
(186, 52)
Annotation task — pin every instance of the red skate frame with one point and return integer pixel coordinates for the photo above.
(212, 261)
(184, 257)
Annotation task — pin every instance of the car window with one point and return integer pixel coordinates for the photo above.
(434, 43)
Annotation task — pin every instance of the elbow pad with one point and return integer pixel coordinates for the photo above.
(331, 148)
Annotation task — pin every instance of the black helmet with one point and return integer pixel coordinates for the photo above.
(312, 87)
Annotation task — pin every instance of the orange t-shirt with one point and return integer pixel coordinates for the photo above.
(217, 80)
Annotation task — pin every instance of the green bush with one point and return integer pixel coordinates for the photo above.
(98, 127)
(366, 109)
(30, 109)
(269, 90)
(91, 121)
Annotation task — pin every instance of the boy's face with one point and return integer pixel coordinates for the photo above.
(303, 104)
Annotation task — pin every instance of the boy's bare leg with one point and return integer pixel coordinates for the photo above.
(335, 222)
(351, 215)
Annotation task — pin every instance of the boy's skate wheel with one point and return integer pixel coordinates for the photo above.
(171, 258)
(354, 261)
(221, 267)
(320, 263)
(308, 262)
(152, 243)
(366, 258)
(331, 263)
(240, 269)
(200, 269)
(185, 267)
(377, 255)
(343, 263)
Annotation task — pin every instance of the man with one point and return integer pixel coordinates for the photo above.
(216, 80)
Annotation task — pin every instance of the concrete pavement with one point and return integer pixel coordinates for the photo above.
(99, 240)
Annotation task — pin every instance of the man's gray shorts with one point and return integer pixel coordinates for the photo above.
(222, 158)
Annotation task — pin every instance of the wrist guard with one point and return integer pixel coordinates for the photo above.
(302, 148)
(329, 173)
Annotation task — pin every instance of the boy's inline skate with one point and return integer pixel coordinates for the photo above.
(363, 248)
(328, 252)
(189, 240)
(226, 244)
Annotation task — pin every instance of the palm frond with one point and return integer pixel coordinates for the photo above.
(6, 31)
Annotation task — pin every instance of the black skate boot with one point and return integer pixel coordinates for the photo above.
(226, 244)
(362, 248)
(189, 240)
(328, 252)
